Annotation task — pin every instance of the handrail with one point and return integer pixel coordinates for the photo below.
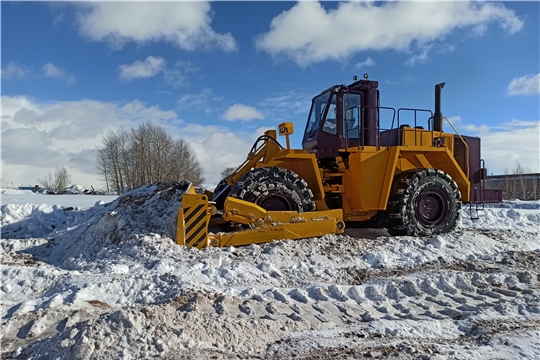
(482, 181)
(415, 111)
(392, 128)
(378, 125)
(465, 143)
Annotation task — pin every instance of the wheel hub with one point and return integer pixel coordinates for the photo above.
(277, 200)
(431, 209)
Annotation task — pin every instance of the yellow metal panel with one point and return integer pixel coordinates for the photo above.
(371, 172)
(423, 161)
(438, 158)
(391, 166)
(405, 164)
(305, 165)
(193, 217)
(366, 177)
(407, 137)
(426, 138)
(359, 215)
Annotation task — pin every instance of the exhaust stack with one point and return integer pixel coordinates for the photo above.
(437, 118)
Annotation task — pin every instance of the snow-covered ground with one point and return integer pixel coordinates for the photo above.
(108, 282)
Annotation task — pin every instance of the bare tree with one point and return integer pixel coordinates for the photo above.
(47, 182)
(59, 182)
(228, 171)
(101, 166)
(184, 164)
(152, 146)
(520, 181)
(520, 184)
(531, 182)
(139, 156)
(62, 179)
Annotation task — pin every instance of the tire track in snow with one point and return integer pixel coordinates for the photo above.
(426, 296)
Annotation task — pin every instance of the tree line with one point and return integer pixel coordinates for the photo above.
(131, 158)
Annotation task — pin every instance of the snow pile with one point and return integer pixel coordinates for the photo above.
(29, 221)
(148, 210)
(77, 189)
(504, 216)
(14, 191)
(109, 282)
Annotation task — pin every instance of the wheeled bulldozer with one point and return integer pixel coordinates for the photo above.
(360, 165)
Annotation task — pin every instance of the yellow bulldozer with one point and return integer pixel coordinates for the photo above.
(360, 165)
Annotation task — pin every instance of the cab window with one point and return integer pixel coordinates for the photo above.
(351, 116)
(330, 123)
(316, 114)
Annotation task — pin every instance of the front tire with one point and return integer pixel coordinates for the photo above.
(274, 189)
(221, 193)
(423, 202)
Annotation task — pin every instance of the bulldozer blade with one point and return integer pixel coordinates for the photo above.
(193, 220)
(195, 217)
(306, 225)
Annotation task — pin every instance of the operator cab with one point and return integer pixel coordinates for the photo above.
(341, 117)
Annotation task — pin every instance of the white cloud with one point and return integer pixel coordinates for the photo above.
(20, 139)
(13, 71)
(455, 120)
(185, 24)
(289, 106)
(178, 76)
(38, 137)
(502, 145)
(204, 100)
(242, 112)
(52, 71)
(368, 62)
(525, 85)
(175, 76)
(217, 147)
(142, 69)
(308, 33)
(475, 128)
(420, 58)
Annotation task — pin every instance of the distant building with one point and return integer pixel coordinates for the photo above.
(516, 186)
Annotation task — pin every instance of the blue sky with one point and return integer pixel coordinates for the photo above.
(219, 74)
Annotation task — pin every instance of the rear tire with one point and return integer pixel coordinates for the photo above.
(423, 202)
(274, 189)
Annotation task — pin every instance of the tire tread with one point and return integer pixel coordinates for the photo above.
(399, 220)
(259, 180)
